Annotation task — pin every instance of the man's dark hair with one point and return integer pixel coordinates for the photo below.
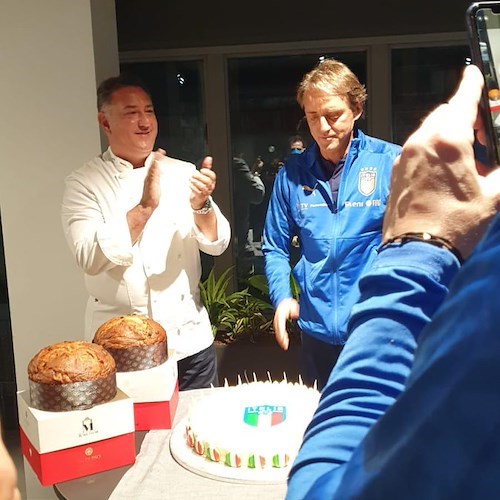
(295, 138)
(110, 85)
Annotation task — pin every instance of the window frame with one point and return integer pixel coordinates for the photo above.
(214, 61)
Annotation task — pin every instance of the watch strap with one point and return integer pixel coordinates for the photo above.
(205, 209)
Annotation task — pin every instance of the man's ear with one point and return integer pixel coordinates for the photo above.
(358, 111)
(103, 122)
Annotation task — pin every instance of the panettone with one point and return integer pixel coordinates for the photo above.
(136, 342)
(71, 375)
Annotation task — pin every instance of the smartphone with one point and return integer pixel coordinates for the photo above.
(483, 28)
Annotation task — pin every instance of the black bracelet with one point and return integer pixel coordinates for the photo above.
(425, 238)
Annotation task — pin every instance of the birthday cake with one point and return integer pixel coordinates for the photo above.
(257, 425)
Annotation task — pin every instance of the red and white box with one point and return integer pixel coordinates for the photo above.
(64, 445)
(155, 392)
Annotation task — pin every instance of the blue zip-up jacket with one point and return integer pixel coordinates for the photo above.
(338, 241)
(397, 421)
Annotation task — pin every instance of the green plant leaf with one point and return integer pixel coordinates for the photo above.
(237, 313)
(259, 282)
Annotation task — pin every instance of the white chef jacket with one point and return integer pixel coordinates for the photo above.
(158, 276)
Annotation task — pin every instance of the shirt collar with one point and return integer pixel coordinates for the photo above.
(120, 164)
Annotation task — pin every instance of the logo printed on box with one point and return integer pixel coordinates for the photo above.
(71, 463)
(88, 427)
(54, 431)
(89, 452)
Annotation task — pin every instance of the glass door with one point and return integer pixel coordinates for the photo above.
(265, 120)
(177, 91)
(422, 78)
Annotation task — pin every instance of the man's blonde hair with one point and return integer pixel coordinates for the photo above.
(335, 78)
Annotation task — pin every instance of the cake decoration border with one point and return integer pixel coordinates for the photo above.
(198, 464)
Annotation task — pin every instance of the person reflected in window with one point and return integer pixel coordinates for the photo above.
(296, 145)
(333, 198)
(136, 221)
(248, 191)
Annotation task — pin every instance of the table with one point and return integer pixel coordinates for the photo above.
(185, 484)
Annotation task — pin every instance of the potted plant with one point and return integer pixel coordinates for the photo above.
(243, 333)
(259, 283)
(233, 315)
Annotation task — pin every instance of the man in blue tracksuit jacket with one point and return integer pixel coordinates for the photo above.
(412, 409)
(333, 197)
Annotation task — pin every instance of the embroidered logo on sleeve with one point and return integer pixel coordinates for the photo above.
(367, 180)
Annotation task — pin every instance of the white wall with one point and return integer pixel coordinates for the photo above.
(48, 127)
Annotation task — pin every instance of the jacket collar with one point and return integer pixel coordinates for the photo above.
(311, 155)
(119, 163)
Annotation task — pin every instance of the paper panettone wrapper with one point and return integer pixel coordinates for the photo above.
(140, 357)
(72, 396)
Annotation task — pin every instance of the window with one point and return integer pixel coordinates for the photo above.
(264, 114)
(176, 89)
(404, 83)
(422, 78)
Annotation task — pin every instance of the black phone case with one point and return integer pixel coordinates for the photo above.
(493, 146)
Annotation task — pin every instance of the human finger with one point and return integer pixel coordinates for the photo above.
(279, 324)
(466, 98)
(152, 191)
(454, 122)
(283, 339)
(207, 162)
(202, 185)
(159, 154)
(206, 175)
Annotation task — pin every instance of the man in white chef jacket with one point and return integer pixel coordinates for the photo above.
(136, 220)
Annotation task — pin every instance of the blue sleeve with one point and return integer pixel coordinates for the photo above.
(441, 439)
(399, 295)
(276, 240)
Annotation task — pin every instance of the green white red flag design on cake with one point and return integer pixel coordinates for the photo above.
(264, 416)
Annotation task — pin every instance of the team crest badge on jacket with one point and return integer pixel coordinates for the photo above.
(367, 180)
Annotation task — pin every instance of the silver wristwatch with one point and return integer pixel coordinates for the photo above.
(205, 209)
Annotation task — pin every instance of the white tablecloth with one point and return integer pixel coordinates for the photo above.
(157, 476)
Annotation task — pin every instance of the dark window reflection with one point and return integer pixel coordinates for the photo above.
(264, 116)
(176, 88)
(422, 78)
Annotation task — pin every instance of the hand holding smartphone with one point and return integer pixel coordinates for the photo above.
(483, 27)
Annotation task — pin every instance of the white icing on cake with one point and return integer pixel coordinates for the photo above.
(255, 425)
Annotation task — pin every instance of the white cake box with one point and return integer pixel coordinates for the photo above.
(152, 384)
(155, 393)
(56, 430)
(65, 445)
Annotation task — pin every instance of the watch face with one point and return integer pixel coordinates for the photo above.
(205, 209)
